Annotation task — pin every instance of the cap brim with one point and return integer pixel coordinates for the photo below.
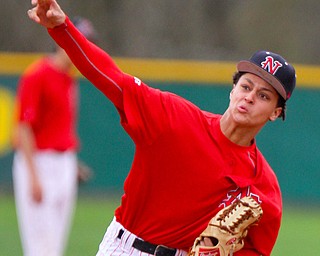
(247, 66)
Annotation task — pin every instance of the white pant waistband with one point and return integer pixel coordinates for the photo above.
(127, 238)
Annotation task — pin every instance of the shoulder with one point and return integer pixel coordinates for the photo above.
(263, 160)
(36, 68)
(212, 116)
(267, 174)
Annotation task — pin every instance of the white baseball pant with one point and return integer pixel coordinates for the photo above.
(111, 245)
(44, 227)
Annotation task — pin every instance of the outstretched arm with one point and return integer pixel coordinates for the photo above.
(94, 63)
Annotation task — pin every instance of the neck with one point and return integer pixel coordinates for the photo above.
(239, 134)
(61, 61)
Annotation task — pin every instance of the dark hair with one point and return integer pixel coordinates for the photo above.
(281, 101)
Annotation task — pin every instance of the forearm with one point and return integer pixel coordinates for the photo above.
(26, 145)
(95, 64)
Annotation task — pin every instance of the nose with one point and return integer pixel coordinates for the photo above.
(249, 97)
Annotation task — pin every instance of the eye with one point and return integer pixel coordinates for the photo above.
(264, 96)
(245, 87)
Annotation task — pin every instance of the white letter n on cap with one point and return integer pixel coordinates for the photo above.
(271, 65)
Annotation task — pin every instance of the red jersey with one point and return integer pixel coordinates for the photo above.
(184, 169)
(47, 100)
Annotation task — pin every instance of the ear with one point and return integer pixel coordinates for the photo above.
(275, 114)
(231, 92)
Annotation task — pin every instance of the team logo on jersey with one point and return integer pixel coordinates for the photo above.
(271, 65)
(237, 194)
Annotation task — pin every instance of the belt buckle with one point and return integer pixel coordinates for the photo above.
(162, 250)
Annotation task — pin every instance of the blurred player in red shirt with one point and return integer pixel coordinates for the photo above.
(45, 168)
(188, 163)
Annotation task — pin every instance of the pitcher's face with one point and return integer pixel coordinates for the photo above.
(253, 101)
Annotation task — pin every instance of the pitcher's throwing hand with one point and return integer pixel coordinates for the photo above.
(47, 13)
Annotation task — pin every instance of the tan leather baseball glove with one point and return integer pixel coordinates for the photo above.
(228, 228)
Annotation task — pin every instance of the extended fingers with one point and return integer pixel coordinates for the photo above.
(32, 13)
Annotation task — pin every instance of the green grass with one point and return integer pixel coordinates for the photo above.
(299, 234)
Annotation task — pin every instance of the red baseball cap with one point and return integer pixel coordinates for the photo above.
(272, 68)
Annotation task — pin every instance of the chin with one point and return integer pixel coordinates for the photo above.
(241, 119)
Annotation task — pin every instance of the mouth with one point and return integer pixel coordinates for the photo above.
(242, 109)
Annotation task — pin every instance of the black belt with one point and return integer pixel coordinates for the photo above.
(158, 250)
